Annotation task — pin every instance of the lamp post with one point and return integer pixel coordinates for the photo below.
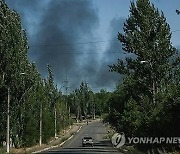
(7, 137)
(153, 81)
(8, 118)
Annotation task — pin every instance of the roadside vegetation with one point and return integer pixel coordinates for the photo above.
(38, 110)
(146, 103)
(33, 99)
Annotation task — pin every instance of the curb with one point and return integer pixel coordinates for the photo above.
(59, 145)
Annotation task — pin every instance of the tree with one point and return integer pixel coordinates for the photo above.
(84, 97)
(13, 61)
(30, 94)
(147, 35)
(101, 102)
(82, 100)
(75, 107)
(149, 74)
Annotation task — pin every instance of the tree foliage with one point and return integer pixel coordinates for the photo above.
(147, 102)
(28, 90)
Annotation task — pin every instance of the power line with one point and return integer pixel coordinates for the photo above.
(56, 52)
(176, 30)
(69, 44)
(79, 43)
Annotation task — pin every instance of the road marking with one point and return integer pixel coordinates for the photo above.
(79, 129)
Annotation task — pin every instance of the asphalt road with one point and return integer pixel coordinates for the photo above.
(97, 131)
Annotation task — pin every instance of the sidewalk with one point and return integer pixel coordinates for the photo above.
(62, 137)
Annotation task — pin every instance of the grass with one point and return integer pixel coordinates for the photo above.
(2, 150)
(109, 134)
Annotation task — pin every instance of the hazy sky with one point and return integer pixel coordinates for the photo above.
(78, 37)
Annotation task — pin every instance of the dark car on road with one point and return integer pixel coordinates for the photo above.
(87, 141)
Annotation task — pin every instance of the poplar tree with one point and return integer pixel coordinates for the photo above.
(147, 36)
(149, 93)
(13, 62)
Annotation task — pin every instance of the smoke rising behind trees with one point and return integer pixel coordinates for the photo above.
(64, 36)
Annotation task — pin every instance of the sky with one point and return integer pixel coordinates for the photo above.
(78, 38)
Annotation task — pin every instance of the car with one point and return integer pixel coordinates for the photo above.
(87, 141)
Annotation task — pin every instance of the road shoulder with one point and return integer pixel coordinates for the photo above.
(59, 141)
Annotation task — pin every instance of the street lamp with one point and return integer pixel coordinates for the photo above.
(143, 61)
(40, 126)
(8, 118)
(7, 137)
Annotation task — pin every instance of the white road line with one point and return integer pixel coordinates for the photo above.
(79, 129)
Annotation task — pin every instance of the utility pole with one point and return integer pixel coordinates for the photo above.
(7, 139)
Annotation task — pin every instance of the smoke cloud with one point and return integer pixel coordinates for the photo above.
(62, 34)
(112, 53)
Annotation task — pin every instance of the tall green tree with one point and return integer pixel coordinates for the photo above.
(149, 75)
(102, 102)
(13, 62)
(147, 35)
(29, 93)
(82, 100)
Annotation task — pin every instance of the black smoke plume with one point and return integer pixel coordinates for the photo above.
(63, 34)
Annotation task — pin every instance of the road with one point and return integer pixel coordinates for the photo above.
(94, 129)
